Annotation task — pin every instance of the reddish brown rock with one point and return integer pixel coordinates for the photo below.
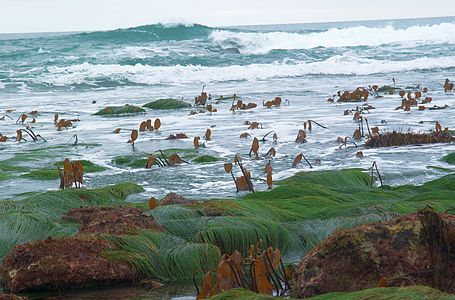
(413, 249)
(56, 264)
(11, 297)
(111, 220)
(173, 198)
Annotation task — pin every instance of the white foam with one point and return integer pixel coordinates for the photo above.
(152, 75)
(256, 42)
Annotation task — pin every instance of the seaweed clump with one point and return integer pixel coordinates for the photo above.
(449, 158)
(395, 138)
(127, 109)
(169, 103)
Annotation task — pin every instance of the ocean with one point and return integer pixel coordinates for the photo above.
(63, 73)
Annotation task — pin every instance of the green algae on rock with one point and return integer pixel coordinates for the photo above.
(205, 159)
(416, 292)
(406, 293)
(39, 216)
(302, 211)
(449, 158)
(63, 263)
(398, 252)
(168, 103)
(127, 109)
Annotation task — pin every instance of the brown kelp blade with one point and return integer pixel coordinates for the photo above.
(152, 203)
(151, 160)
(297, 160)
(196, 141)
(269, 180)
(228, 167)
(255, 147)
(134, 136)
(208, 134)
(157, 124)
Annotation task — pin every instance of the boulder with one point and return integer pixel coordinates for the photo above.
(412, 249)
(173, 198)
(55, 264)
(111, 220)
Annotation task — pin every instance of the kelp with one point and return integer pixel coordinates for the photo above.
(167, 103)
(52, 172)
(140, 160)
(127, 109)
(395, 138)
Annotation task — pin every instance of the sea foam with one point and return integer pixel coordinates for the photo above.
(151, 75)
(263, 42)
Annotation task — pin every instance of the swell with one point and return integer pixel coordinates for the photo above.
(148, 33)
(93, 74)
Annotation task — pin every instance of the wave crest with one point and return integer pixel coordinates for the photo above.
(257, 43)
(149, 33)
(87, 73)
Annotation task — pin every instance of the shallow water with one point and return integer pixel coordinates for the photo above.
(305, 64)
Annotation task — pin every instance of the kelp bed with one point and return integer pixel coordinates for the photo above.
(395, 138)
(294, 217)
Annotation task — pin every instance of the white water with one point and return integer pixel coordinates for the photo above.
(254, 42)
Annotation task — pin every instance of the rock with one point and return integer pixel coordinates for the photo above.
(111, 220)
(151, 284)
(120, 110)
(399, 252)
(168, 103)
(11, 297)
(56, 264)
(173, 198)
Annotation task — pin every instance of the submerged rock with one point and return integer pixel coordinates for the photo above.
(56, 264)
(169, 103)
(120, 110)
(173, 198)
(413, 249)
(387, 89)
(111, 220)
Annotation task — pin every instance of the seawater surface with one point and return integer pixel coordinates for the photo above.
(303, 63)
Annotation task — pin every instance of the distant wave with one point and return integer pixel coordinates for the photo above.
(148, 33)
(257, 42)
(87, 73)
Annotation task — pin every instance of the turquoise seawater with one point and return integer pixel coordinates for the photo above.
(304, 63)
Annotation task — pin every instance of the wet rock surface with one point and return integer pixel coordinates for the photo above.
(412, 249)
(111, 220)
(173, 198)
(56, 264)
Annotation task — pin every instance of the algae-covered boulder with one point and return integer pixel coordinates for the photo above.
(203, 159)
(411, 292)
(173, 198)
(120, 110)
(413, 249)
(111, 220)
(387, 89)
(56, 264)
(168, 103)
